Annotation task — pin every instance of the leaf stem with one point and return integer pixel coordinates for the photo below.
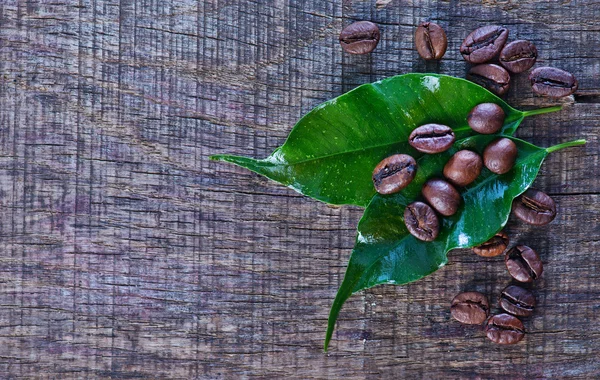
(565, 145)
(541, 111)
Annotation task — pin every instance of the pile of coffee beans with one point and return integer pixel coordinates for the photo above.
(524, 266)
(488, 43)
(472, 308)
(485, 48)
(394, 173)
(493, 63)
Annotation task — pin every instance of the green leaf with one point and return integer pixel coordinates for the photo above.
(330, 154)
(385, 253)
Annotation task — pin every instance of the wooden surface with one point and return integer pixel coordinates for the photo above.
(126, 253)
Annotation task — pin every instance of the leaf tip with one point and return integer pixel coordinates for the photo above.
(328, 335)
(245, 162)
(228, 158)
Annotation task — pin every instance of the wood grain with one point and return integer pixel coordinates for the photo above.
(128, 254)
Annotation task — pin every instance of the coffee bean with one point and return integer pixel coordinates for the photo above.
(493, 247)
(394, 173)
(431, 138)
(471, 308)
(483, 44)
(360, 37)
(486, 118)
(421, 221)
(500, 155)
(431, 41)
(534, 207)
(553, 82)
(493, 77)
(505, 329)
(517, 301)
(442, 196)
(463, 167)
(518, 56)
(523, 263)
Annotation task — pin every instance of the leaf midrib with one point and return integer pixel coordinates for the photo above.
(291, 163)
(460, 129)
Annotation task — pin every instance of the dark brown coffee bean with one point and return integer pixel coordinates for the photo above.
(463, 167)
(431, 41)
(360, 37)
(552, 82)
(421, 221)
(431, 138)
(483, 44)
(517, 301)
(518, 56)
(471, 308)
(523, 263)
(493, 247)
(534, 207)
(394, 173)
(486, 118)
(493, 77)
(500, 155)
(442, 196)
(505, 329)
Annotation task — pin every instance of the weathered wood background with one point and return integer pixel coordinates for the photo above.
(127, 253)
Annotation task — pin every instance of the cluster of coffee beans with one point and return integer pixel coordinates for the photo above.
(394, 173)
(523, 264)
(473, 308)
(483, 45)
(489, 43)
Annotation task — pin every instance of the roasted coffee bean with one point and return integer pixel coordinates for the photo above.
(463, 167)
(360, 37)
(517, 301)
(431, 138)
(534, 207)
(471, 308)
(394, 173)
(500, 155)
(493, 247)
(505, 329)
(483, 44)
(518, 56)
(421, 221)
(552, 82)
(442, 196)
(523, 263)
(431, 41)
(493, 77)
(486, 118)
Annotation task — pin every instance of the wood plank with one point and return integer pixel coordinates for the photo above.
(128, 254)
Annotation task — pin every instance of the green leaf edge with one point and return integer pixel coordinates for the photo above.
(339, 301)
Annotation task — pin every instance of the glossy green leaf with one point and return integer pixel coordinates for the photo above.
(385, 253)
(330, 154)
